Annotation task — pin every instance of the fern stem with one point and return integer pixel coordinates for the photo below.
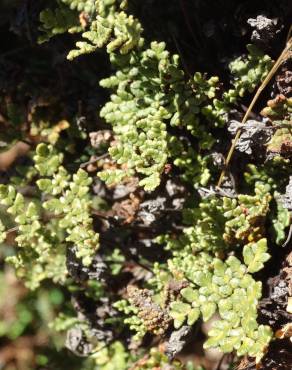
(269, 76)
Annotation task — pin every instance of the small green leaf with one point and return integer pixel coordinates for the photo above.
(208, 309)
(44, 185)
(255, 255)
(190, 294)
(180, 307)
(178, 320)
(18, 205)
(193, 316)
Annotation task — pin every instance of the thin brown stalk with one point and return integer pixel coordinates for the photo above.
(269, 76)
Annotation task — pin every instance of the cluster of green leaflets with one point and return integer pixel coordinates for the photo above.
(115, 356)
(48, 224)
(134, 322)
(112, 28)
(220, 226)
(58, 21)
(37, 242)
(151, 91)
(64, 18)
(225, 239)
(223, 287)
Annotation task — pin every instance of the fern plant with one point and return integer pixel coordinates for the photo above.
(45, 241)
(152, 91)
(115, 198)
